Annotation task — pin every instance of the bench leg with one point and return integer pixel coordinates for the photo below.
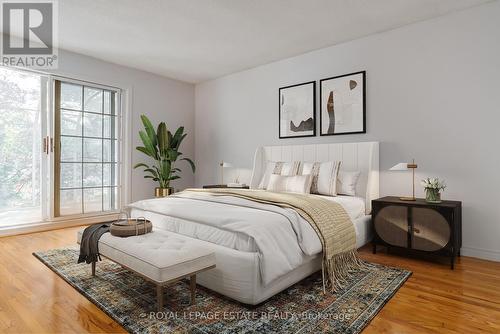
(192, 284)
(159, 297)
(93, 268)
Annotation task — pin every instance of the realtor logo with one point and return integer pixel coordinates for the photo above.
(29, 33)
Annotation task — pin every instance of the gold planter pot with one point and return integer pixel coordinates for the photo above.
(163, 192)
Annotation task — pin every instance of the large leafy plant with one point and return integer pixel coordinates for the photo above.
(163, 147)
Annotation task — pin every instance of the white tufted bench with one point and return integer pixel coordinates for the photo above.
(160, 256)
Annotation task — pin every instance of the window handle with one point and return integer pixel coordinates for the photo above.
(46, 145)
(51, 145)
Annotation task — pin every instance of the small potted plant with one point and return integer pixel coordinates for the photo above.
(163, 147)
(433, 187)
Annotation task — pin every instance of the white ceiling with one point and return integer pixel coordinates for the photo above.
(197, 40)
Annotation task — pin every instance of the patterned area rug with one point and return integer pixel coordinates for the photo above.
(131, 301)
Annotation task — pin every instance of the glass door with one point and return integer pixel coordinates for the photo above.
(23, 143)
(60, 148)
(86, 157)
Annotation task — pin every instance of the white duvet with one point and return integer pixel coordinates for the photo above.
(280, 236)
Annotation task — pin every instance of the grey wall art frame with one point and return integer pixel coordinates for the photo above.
(297, 110)
(343, 104)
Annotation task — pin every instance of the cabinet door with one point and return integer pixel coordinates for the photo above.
(391, 224)
(431, 230)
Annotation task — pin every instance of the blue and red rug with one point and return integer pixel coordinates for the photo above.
(302, 308)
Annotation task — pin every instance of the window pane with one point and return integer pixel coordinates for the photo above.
(110, 175)
(106, 196)
(115, 98)
(71, 202)
(92, 175)
(71, 96)
(92, 150)
(107, 102)
(93, 100)
(110, 198)
(115, 151)
(92, 125)
(71, 123)
(71, 149)
(107, 150)
(106, 175)
(71, 175)
(109, 123)
(92, 200)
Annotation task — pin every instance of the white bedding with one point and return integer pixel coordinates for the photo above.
(279, 235)
(355, 206)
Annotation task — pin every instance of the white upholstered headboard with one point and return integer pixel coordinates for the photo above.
(362, 156)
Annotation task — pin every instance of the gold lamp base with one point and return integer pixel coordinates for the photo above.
(408, 198)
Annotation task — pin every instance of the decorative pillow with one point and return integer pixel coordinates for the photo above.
(347, 182)
(324, 176)
(279, 168)
(290, 184)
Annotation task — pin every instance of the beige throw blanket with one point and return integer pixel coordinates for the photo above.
(330, 221)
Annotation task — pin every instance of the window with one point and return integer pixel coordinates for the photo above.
(86, 156)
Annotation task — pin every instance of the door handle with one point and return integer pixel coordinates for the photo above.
(46, 143)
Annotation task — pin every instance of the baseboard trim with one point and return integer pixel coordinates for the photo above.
(480, 253)
(54, 225)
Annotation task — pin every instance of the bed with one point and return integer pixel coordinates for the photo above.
(259, 251)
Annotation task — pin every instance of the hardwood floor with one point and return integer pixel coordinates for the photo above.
(435, 299)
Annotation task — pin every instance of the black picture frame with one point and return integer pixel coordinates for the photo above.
(322, 106)
(313, 115)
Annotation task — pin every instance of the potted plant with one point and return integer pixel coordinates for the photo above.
(163, 147)
(433, 188)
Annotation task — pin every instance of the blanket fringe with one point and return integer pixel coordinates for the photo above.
(338, 270)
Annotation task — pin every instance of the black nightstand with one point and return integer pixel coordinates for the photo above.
(418, 226)
(209, 186)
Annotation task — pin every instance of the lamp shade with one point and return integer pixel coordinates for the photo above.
(400, 166)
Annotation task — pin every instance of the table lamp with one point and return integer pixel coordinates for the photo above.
(222, 166)
(402, 166)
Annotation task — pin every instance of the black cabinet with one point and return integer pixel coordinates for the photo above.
(431, 228)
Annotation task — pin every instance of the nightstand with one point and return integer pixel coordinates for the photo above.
(418, 226)
(209, 186)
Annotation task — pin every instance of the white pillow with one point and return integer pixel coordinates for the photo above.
(290, 184)
(279, 168)
(347, 182)
(324, 176)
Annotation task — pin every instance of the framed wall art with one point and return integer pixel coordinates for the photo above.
(343, 104)
(297, 109)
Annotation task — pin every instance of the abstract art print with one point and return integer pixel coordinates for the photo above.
(297, 109)
(343, 105)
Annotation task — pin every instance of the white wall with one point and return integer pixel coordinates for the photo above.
(433, 94)
(160, 98)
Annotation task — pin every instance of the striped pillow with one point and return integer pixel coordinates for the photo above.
(290, 184)
(279, 168)
(324, 176)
